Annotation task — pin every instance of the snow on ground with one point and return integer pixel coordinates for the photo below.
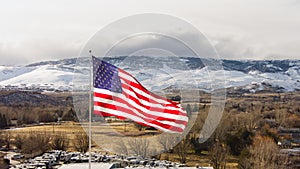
(61, 76)
(42, 75)
(7, 72)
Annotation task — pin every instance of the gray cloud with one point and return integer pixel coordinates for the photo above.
(33, 31)
(176, 46)
(231, 47)
(37, 50)
(234, 48)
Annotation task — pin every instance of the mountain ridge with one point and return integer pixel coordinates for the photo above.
(161, 73)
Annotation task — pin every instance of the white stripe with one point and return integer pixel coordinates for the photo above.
(134, 118)
(138, 113)
(182, 126)
(125, 76)
(142, 101)
(133, 103)
(155, 113)
(131, 93)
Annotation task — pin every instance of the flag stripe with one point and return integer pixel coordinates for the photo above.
(119, 94)
(109, 112)
(146, 114)
(135, 84)
(135, 97)
(141, 95)
(170, 130)
(149, 102)
(100, 93)
(123, 74)
(128, 94)
(122, 110)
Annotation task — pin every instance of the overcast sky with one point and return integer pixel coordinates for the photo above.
(36, 30)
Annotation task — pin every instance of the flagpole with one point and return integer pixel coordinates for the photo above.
(90, 109)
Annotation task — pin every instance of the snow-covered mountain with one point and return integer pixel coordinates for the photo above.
(161, 74)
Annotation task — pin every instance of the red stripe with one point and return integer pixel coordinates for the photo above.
(148, 99)
(128, 111)
(153, 108)
(177, 121)
(155, 101)
(138, 85)
(101, 95)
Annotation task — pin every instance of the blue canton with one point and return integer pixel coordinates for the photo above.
(106, 76)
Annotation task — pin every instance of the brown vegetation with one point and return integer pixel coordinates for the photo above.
(246, 136)
(81, 142)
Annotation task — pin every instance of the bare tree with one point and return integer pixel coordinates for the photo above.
(244, 162)
(182, 149)
(19, 141)
(81, 142)
(221, 131)
(121, 148)
(140, 146)
(60, 141)
(168, 141)
(5, 139)
(281, 117)
(36, 143)
(264, 153)
(250, 120)
(2, 142)
(218, 155)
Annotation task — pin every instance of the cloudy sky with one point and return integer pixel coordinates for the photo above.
(36, 30)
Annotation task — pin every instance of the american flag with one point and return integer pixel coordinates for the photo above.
(119, 94)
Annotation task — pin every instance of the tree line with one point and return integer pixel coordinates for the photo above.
(35, 115)
(4, 123)
(36, 143)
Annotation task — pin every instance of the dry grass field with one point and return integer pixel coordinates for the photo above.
(113, 132)
(71, 129)
(260, 113)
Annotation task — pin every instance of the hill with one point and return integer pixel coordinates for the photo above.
(158, 74)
